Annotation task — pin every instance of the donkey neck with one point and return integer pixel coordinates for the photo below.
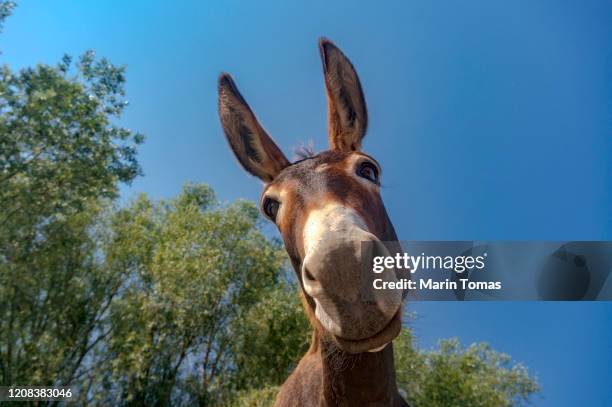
(355, 380)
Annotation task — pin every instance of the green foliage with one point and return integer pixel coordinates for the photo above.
(194, 268)
(6, 9)
(52, 296)
(271, 338)
(58, 146)
(263, 397)
(450, 376)
(455, 376)
(176, 302)
(61, 156)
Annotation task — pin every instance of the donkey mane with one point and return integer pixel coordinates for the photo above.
(304, 151)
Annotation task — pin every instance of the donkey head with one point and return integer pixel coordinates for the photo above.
(324, 206)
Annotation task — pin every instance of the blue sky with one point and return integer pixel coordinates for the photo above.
(492, 121)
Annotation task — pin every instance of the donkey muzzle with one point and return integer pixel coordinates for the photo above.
(333, 274)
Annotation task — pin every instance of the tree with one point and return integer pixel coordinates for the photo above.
(195, 269)
(272, 337)
(475, 376)
(58, 146)
(456, 376)
(60, 157)
(182, 301)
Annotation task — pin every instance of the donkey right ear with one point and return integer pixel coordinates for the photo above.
(347, 112)
(255, 150)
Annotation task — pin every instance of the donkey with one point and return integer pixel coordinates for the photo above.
(325, 206)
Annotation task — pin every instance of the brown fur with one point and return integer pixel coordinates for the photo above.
(328, 374)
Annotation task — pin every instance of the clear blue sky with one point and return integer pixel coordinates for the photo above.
(492, 120)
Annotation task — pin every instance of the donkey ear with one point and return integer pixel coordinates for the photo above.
(347, 112)
(255, 150)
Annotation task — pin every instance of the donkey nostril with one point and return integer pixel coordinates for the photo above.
(311, 285)
(307, 275)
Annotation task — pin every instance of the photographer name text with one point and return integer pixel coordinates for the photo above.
(414, 264)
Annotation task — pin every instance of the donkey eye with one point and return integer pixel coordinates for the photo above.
(270, 208)
(368, 171)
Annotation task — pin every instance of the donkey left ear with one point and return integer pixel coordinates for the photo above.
(347, 112)
(253, 147)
